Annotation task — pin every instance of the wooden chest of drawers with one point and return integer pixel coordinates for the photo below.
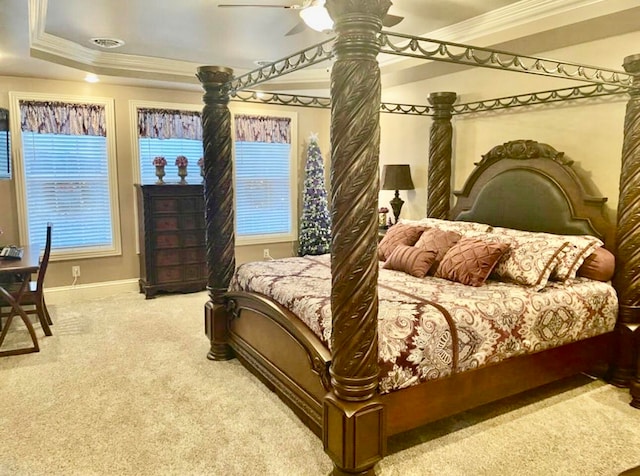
(172, 238)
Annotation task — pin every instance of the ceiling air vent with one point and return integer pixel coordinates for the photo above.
(107, 42)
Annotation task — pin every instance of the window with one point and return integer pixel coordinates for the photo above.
(169, 149)
(264, 165)
(5, 155)
(65, 185)
(167, 130)
(265, 178)
(65, 173)
(263, 194)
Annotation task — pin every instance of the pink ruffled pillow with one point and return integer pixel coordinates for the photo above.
(439, 241)
(470, 261)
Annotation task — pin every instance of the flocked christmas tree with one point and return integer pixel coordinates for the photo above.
(315, 226)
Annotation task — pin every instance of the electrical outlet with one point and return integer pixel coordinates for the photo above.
(265, 253)
(75, 271)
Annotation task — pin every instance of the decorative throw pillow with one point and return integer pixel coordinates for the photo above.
(439, 241)
(572, 256)
(449, 225)
(599, 265)
(398, 234)
(471, 260)
(579, 248)
(530, 260)
(411, 260)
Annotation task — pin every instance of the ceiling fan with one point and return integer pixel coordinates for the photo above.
(313, 14)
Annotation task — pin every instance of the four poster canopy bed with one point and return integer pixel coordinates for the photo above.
(508, 290)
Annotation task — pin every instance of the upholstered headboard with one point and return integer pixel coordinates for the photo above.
(528, 185)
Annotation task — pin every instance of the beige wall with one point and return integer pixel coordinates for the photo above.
(405, 140)
(587, 131)
(126, 266)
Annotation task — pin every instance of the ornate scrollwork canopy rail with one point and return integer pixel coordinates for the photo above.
(297, 61)
(427, 48)
(407, 109)
(486, 105)
(282, 99)
(321, 102)
(540, 97)
(605, 82)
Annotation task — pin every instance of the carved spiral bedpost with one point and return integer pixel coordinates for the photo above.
(218, 199)
(440, 151)
(627, 278)
(353, 427)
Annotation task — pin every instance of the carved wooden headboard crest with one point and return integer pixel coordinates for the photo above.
(530, 185)
(523, 149)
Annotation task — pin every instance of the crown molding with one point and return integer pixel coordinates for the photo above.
(508, 17)
(55, 49)
(522, 14)
(37, 18)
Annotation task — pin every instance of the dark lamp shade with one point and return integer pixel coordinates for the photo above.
(396, 177)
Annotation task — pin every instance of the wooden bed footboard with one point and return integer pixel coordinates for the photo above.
(282, 352)
(436, 399)
(287, 357)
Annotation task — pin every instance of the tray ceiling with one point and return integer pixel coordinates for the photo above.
(164, 42)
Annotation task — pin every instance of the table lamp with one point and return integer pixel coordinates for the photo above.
(396, 177)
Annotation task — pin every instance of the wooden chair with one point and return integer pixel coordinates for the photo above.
(32, 301)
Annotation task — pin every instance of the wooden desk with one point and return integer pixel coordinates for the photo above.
(29, 263)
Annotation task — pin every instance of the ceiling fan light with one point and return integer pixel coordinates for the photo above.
(317, 17)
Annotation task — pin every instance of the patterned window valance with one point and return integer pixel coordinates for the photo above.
(169, 124)
(46, 117)
(263, 129)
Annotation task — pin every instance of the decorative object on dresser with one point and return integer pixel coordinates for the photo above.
(201, 165)
(182, 162)
(172, 239)
(396, 177)
(159, 163)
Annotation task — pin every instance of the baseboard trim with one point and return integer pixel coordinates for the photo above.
(67, 294)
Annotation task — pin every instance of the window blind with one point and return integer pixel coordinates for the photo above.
(5, 157)
(67, 183)
(263, 188)
(169, 149)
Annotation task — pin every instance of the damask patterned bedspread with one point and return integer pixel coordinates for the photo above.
(491, 323)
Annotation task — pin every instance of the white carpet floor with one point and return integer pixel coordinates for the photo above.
(123, 387)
